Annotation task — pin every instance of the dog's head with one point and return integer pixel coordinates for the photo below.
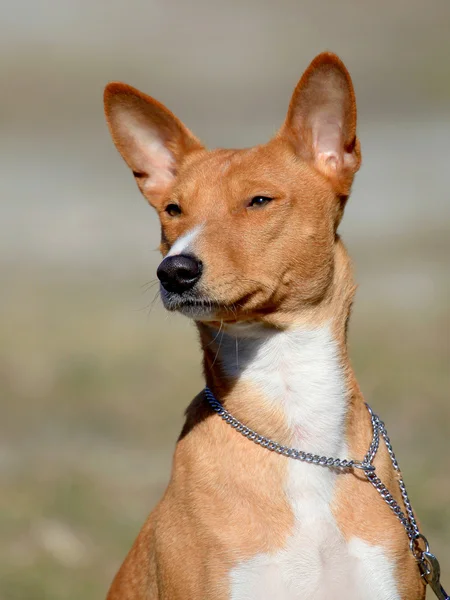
(245, 233)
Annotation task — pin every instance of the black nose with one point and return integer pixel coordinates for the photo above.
(179, 273)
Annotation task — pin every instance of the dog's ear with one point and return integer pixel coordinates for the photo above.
(152, 141)
(321, 121)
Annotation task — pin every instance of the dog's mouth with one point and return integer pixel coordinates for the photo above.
(197, 306)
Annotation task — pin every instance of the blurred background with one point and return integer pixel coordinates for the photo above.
(94, 377)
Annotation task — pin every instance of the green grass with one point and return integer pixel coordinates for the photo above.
(93, 388)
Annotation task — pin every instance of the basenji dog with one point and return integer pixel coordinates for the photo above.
(252, 255)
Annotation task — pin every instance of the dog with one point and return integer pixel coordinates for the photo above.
(252, 255)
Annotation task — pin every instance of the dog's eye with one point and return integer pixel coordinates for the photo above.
(173, 210)
(259, 201)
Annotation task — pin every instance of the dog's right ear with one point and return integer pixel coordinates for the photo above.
(151, 140)
(321, 121)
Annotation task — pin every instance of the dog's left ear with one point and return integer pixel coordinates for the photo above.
(151, 140)
(321, 121)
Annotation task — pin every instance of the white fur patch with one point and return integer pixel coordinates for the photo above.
(300, 371)
(374, 572)
(185, 243)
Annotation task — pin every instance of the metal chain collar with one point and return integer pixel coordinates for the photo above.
(428, 563)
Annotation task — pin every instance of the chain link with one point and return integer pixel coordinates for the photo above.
(366, 465)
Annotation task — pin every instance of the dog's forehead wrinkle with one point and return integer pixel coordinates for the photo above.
(225, 167)
(218, 165)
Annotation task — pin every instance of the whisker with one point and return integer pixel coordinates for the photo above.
(153, 302)
(149, 284)
(217, 334)
(220, 344)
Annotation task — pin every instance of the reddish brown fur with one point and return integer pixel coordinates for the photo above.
(195, 535)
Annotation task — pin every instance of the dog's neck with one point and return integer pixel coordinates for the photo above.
(292, 384)
(293, 378)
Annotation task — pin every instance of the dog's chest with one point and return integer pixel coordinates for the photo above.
(300, 372)
(316, 562)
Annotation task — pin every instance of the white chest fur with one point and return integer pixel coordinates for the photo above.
(300, 371)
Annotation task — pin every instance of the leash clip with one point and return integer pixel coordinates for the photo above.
(430, 568)
(431, 573)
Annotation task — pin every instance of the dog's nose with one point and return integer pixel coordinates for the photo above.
(179, 273)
